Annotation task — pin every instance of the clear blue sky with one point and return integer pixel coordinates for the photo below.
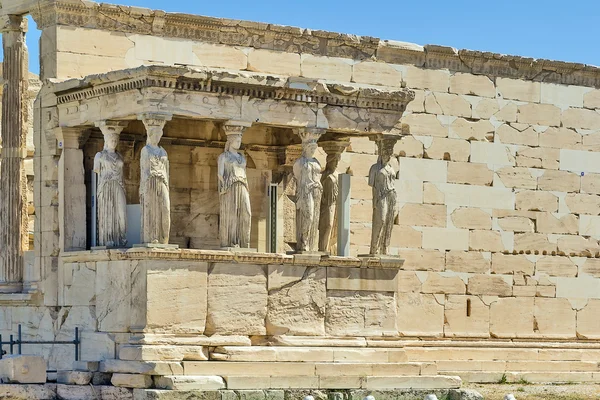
(551, 29)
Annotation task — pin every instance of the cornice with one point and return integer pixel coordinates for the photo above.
(87, 14)
(233, 83)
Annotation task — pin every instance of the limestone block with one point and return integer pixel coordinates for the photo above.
(538, 157)
(591, 99)
(512, 317)
(230, 313)
(408, 191)
(588, 323)
(360, 313)
(22, 369)
(297, 299)
(578, 245)
(511, 264)
(591, 267)
(79, 284)
(517, 177)
(470, 173)
(583, 203)
(517, 224)
(274, 62)
(361, 145)
(221, 56)
(189, 382)
(132, 381)
(581, 118)
(422, 215)
(525, 135)
(113, 295)
(563, 95)
(560, 138)
(477, 85)
(420, 315)
(418, 104)
(557, 223)
(28, 392)
(93, 42)
(491, 153)
(426, 125)
(163, 50)
(556, 266)
(472, 130)
(432, 195)
(376, 73)
(432, 79)
(559, 181)
(448, 149)
(163, 353)
(478, 196)
(176, 296)
(485, 108)
(536, 201)
(471, 218)
(141, 367)
(554, 318)
(467, 261)
(579, 161)
(408, 146)
(443, 283)
(422, 260)
(402, 236)
(489, 285)
(484, 240)
(447, 104)
(361, 279)
(526, 291)
(590, 183)
(408, 281)
(74, 377)
(466, 316)
(97, 345)
(539, 114)
(533, 242)
(317, 67)
(517, 89)
(584, 287)
(361, 164)
(591, 141)
(415, 169)
(445, 239)
(412, 382)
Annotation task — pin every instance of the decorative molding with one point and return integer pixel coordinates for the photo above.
(231, 83)
(87, 14)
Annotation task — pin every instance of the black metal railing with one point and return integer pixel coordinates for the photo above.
(12, 343)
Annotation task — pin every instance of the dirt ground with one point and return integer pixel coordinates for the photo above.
(537, 392)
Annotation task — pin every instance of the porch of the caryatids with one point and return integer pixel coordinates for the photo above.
(14, 239)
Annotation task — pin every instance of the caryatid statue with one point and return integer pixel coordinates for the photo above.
(307, 171)
(111, 201)
(234, 196)
(154, 183)
(329, 180)
(381, 179)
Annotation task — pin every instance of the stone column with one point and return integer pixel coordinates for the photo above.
(329, 180)
(71, 190)
(14, 239)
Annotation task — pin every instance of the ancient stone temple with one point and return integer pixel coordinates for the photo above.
(228, 209)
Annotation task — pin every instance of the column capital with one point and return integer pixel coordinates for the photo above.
(309, 134)
(334, 146)
(111, 126)
(13, 23)
(155, 118)
(71, 137)
(232, 127)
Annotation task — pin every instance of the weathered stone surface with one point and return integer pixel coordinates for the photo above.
(22, 369)
(422, 259)
(408, 146)
(467, 261)
(557, 223)
(296, 303)
(163, 353)
(536, 201)
(471, 218)
(511, 264)
(533, 242)
(448, 149)
(477, 85)
(420, 78)
(447, 104)
(466, 316)
(28, 392)
(425, 124)
(590, 183)
(489, 285)
(484, 240)
(588, 323)
(420, 315)
(141, 367)
(522, 134)
(422, 215)
(559, 181)
(132, 381)
(431, 194)
(516, 89)
(445, 239)
(517, 177)
(539, 114)
(517, 223)
(376, 73)
(74, 377)
(337, 69)
(583, 203)
(556, 266)
(578, 245)
(581, 118)
(189, 382)
(446, 283)
(230, 313)
(472, 130)
(360, 313)
(491, 153)
(470, 173)
(538, 157)
(554, 318)
(512, 317)
(560, 138)
(113, 295)
(274, 62)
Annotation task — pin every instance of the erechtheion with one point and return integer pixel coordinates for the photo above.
(240, 209)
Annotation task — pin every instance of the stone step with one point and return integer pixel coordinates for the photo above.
(310, 369)
(342, 382)
(324, 354)
(527, 377)
(518, 366)
(418, 354)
